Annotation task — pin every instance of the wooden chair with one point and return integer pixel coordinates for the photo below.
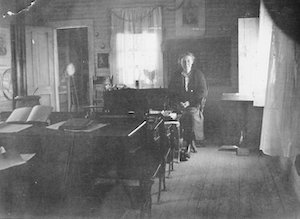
(158, 140)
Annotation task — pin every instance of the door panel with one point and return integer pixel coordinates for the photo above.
(40, 64)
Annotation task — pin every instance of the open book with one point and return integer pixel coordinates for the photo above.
(30, 115)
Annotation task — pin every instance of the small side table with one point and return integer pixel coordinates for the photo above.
(236, 127)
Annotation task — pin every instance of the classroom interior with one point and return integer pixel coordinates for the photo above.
(109, 63)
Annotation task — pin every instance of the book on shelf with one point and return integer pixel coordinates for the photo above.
(30, 115)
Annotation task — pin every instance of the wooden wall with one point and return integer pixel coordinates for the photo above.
(221, 21)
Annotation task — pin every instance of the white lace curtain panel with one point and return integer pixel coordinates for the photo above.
(136, 47)
(281, 118)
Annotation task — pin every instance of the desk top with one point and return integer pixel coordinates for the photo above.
(9, 128)
(113, 129)
(12, 160)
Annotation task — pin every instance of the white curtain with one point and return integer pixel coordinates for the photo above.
(136, 47)
(281, 118)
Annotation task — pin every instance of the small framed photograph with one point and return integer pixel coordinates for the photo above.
(103, 60)
(190, 18)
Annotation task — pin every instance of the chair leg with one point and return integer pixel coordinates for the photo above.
(164, 183)
(147, 201)
(188, 149)
(146, 209)
(159, 189)
(172, 159)
(163, 174)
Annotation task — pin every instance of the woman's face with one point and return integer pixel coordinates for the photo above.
(186, 63)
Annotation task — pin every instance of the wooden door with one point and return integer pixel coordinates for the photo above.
(40, 64)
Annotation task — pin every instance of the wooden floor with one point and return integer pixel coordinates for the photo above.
(219, 184)
(212, 184)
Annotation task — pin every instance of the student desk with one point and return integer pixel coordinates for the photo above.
(21, 138)
(14, 181)
(72, 163)
(172, 126)
(112, 150)
(20, 179)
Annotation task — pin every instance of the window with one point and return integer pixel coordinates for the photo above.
(137, 58)
(254, 50)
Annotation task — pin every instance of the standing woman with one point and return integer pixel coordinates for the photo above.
(189, 90)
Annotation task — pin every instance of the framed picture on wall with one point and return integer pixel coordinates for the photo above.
(190, 18)
(5, 53)
(103, 60)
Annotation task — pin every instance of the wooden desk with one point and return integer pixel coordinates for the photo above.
(70, 163)
(23, 180)
(8, 160)
(74, 162)
(22, 138)
(95, 144)
(172, 126)
(15, 183)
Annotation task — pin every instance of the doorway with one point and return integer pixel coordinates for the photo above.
(73, 43)
(72, 47)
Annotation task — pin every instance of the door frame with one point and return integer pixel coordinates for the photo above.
(75, 24)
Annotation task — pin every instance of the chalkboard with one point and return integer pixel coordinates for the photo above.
(213, 57)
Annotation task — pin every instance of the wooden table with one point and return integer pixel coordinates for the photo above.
(113, 150)
(73, 162)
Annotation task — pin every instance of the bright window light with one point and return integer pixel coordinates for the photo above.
(137, 55)
(254, 52)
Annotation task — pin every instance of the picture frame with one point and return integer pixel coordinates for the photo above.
(190, 18)
(5, 51)
(103, 60)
